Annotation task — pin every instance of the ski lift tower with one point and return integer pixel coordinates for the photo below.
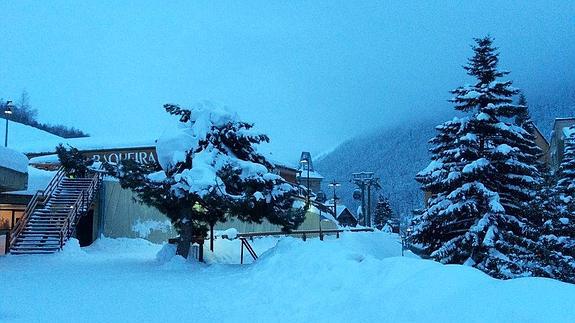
(365, 180)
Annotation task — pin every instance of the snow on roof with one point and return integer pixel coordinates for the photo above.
(89, 143)
(11, 159)
(312, 174)
(27, 139)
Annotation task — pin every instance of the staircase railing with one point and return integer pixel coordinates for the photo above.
(77, 209)
(39, 197)
(249, 248)
(54, 183)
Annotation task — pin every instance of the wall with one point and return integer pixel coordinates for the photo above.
(11, 180)
(118, 215)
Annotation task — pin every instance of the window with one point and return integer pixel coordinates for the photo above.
(5, 219)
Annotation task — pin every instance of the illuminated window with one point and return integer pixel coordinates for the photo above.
(5, 219)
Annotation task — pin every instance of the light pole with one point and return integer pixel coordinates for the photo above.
(7, 112)
(305, 163)
(334, 185)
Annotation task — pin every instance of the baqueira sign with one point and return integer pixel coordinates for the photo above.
(146, 155)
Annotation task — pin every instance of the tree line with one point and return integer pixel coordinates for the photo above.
(24, 113)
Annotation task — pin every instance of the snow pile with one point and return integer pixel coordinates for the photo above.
(357, 278)
(13, 160)
(145, 228)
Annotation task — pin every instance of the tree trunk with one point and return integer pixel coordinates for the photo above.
(211, 237)
(186, 236)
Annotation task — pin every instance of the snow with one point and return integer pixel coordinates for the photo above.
(479, 164)
(11, 159)
(568, 132)
(145, 228)
(26, 139)
(357, 278)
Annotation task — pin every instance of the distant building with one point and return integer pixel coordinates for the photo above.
(307, 174)
(561, 131)
(344, 217)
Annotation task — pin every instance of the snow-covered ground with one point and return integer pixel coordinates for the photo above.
(360, 277)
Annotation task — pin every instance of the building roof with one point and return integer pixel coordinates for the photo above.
(11, 159)
(312, 175)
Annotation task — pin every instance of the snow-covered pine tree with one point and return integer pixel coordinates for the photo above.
(481, 177)
(210, 172)
(383, 213)
(558, 230)
(523, 118)
(72, 161)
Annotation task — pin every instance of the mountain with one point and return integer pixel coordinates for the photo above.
(395, 154)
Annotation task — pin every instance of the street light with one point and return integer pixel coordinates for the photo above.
(305, 163)
(7, 111)
(334, 185)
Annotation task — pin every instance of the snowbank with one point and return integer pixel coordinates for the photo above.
(13, 160)
(357, 278)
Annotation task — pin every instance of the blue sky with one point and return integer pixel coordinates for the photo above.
(309, 73)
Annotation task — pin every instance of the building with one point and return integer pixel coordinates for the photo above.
(561, 131)
(114, 212)
(306, 175)
(345, 217)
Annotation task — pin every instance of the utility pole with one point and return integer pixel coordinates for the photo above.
(334, 185)
(364, 180)
(7, 112)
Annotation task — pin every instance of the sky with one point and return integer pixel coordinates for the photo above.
(310, 74)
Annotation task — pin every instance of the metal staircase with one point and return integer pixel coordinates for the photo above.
(51, 217)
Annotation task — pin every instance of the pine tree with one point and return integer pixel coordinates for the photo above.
(523, 119)
(72, 161)
(558, 230)
(211, 172)
(481, 178)
(383, 213)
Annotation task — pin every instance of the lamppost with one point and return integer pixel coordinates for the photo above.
(334, 185)
(7, 112)
(305, 163)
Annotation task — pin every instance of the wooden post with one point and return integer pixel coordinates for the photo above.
(242, 253)
(201, 250)
(337, 234)
(211, 237)
(304, 237)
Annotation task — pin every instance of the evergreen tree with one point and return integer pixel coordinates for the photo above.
(523, 118)
(211, 172)
(383, 213)
(73, 162)
(481, 178)
(558, 230)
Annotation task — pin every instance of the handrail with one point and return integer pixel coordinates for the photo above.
(21, 224)
(70, 218)
(80, 205)
(31, 206)
(54, 183)
(297, 232)
(249, 248)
